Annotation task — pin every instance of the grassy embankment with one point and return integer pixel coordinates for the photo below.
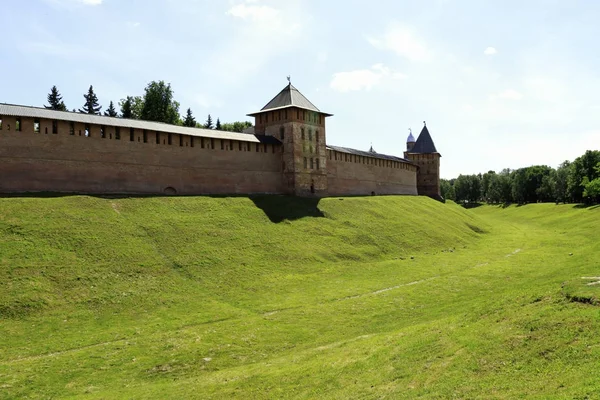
(278, 297)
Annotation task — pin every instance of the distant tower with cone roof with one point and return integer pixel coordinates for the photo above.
(423, 153)
(410, 141)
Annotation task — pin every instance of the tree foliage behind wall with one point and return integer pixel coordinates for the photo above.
(91, 105)
(577, 181)
(238, 126)
(55, 100)
(159, 105)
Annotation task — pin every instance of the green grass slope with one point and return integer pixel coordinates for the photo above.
(277, 297)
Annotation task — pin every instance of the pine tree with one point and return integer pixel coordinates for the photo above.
(218, 125)
(126, 109)
(208, 124)
(111, 112)
(91, 105)
(189, 119)
(55, 100)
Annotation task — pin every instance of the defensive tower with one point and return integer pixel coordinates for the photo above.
(423, 153)
(300, 126)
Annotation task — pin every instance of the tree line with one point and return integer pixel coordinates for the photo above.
(571, 182)
(157, 104)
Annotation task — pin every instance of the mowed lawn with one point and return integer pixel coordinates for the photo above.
(278, 297)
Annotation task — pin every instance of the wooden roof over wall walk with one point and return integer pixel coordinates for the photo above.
(43, 113)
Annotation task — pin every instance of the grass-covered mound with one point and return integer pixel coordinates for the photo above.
(281, 297)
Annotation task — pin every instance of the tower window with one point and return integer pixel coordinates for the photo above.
(157, 137)
(231, 145)
(118, 133)
(302, 131)
(0, 122)
(180, 140)
(317, 162)
(312, 163)
(102, 132)
(282, 132)
(17, 125)
(222, 144)
(212, 143)
(191, 141)
(132, 134)
(87, 131)
(36, 126)
(240, 146)
(285, 114)
(169, 138)
(72, 128)
(54, 127)
(145, 133)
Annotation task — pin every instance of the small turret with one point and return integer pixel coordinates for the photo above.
(410, 141)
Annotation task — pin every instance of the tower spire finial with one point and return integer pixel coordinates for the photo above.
(424, 123)
(289, 78)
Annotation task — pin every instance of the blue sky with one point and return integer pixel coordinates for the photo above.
(500, 83)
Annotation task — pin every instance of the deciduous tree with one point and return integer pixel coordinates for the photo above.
(131, 107)
(158, 104)
(238, 126)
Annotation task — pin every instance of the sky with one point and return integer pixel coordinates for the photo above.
(501, 84)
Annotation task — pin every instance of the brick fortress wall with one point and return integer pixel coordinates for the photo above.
(351, 174)
(68, 161)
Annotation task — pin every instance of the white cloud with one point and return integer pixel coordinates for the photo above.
(402, 41)
(490, 51)
(363, 79)
(509, 94)
(73, 3)
(260, 33)
(255, 13)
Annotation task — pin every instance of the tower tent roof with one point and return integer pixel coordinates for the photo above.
(290, 97)
(424, 143)
(410, 139)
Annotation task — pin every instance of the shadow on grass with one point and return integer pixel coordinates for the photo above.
(588, 206)
(277, 208)
(472, 205)
(281, 208)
